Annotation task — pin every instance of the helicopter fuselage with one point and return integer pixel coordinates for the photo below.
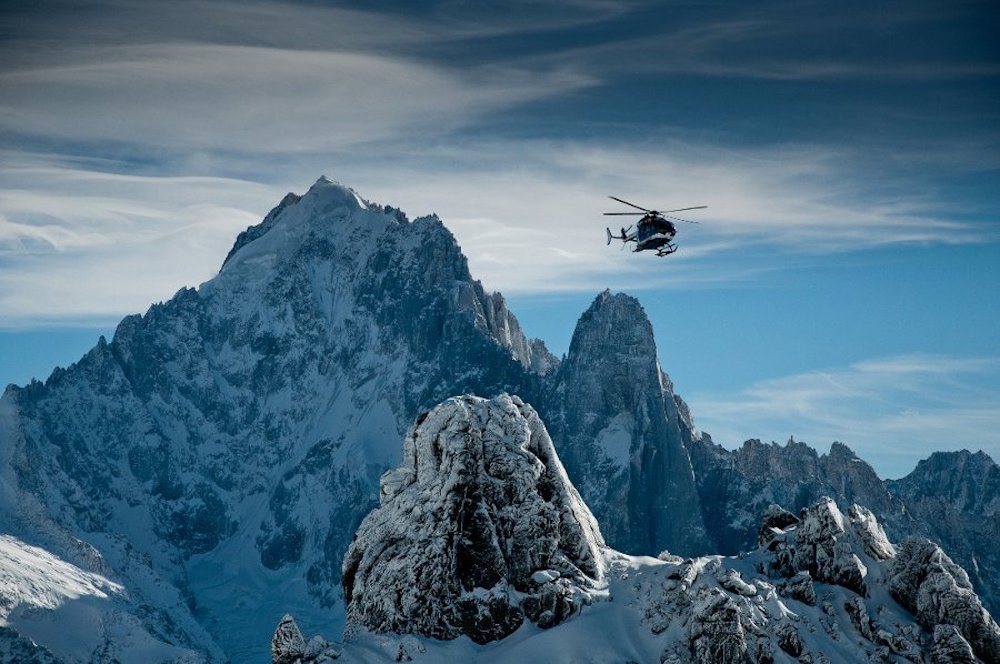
(654, 231)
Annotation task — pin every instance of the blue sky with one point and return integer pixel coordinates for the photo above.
(843, 284)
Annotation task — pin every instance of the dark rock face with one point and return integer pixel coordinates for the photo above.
(479, 512)
(736, 487)
(621, 432)
(952, 498)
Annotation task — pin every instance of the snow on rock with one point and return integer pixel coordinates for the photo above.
(221, 449)
(926, 581)
(478, 529)
(288, 645)
(775, 519)
(876, 543)
(950, 647)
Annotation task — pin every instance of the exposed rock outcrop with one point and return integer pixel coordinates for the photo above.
(926, 581)
(287, 645)
(478, 529)
(621, 431)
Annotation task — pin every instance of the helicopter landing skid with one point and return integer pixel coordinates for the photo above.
(666, 250)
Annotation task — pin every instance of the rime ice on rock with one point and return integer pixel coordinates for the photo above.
(478, 529)
(926, 581)
(288, 645)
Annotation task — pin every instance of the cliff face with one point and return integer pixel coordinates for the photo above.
(954, 498)
(622, 430)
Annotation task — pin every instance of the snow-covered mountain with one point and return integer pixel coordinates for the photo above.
(482, 550)
(227, 443)
(213, 460)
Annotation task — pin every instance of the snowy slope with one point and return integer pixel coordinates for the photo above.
(75, 613)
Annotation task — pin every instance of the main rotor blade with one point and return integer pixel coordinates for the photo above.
(628, 204)
(679, 219)
(620, 214)
(697, 207)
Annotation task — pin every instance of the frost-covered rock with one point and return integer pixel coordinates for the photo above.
(954, 498)
(478, 529)
(242, 425)
(877, 545)
(288, 646)
(950, 647)
(926, 581)
(716, 632)
(821, 547)
(774, 520)
(799, 587)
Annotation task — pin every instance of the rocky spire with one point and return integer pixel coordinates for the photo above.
(621, 432)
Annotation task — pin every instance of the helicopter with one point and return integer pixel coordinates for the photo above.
(655, 230)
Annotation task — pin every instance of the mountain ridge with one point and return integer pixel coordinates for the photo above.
(232, 437)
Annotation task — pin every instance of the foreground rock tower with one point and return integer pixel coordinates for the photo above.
(478, 529)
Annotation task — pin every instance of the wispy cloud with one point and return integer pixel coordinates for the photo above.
(403, 105)
(79, 246)
(527, 214)
(180, 97)
(892, 411)
(539, 204)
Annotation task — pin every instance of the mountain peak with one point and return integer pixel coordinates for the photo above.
(327, 207)
(333, 193)
(615, 325)
(478, 529)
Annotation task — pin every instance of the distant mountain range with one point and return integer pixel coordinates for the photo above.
(207, 468)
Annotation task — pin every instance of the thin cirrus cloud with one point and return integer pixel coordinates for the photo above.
(75, 248)
(66, 230)
(537, 207)
(884, 408)
(178, 97)
(401, 106)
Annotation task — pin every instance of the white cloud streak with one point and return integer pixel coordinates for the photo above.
(182, 97)
(892, 411)
(84, 247)
(527, 214)
(275, 93)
